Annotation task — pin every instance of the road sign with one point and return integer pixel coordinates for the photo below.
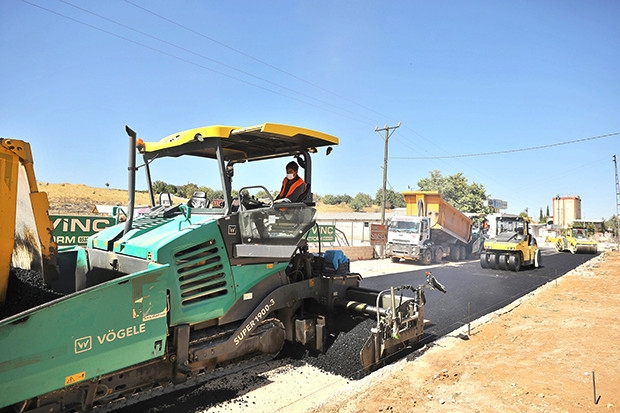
(75, 229)
(327, 233)
(378, 234)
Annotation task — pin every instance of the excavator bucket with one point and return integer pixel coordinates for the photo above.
(27, 240)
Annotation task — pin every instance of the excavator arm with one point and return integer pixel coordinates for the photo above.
(27, 241)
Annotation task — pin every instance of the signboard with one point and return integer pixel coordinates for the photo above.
(75, 229)
(327, 233)
(497, 203)
(378, 234)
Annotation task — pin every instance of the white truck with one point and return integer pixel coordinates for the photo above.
(431, 230)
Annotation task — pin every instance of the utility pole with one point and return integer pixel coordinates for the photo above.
(617, 224)
(389, 130)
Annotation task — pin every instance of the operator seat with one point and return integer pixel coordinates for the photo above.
(306, 196)
(198, 200)
(165, 199)
(520, 234)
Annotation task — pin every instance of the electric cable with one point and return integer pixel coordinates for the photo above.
(358, 117)
(255, 59)
(157, 50)
(531, 148)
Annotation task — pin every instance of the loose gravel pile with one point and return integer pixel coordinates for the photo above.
(26, 290)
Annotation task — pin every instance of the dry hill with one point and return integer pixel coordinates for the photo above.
(81, 199)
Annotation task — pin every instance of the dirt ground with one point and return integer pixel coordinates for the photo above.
(554, 350)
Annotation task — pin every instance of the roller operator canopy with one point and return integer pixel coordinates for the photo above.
(238, 144)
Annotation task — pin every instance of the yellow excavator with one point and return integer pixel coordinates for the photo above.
(27, 241)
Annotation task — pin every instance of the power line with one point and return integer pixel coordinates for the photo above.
(532, 148)
(227, 66)
(189, 29)
(354, 116)
(358, 117)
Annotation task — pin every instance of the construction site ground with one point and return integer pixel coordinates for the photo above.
(542, 353)
(554, 350)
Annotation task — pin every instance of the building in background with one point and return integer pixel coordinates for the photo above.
(566, 209)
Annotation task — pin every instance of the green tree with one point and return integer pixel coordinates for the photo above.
(541, 219)
(262, 194)
(330, 200)
(611, 224)
(392, 199)
(360, 201)
(457, 190)
(159, 187)
(344, 199)
(337, 199)
(213, 193)
(188, 190)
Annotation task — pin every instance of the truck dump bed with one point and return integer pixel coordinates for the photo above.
(443, 216)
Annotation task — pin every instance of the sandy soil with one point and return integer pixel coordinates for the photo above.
(543, 353)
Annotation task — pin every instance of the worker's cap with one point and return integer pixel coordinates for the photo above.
(292, 165)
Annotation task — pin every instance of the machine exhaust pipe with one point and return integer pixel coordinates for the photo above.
(131, 178)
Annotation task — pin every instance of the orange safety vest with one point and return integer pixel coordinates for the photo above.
(292, 186)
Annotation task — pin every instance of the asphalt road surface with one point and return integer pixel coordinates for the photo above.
(472, 292)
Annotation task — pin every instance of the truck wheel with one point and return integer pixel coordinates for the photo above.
(492, 260)
(483, 260)
(454, 253)
(427, 257)
(514, 263)
(395, 259)
(463, 253)
(438, 255)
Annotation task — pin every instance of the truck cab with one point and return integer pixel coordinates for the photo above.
(409, 237)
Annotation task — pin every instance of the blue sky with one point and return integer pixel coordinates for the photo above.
(462, 77)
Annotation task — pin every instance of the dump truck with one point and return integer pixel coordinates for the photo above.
(431, 230)
(512, 246)
(187, 292)
(27, 241)
(576, 240)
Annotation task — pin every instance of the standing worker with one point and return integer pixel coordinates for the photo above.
(293, 187)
